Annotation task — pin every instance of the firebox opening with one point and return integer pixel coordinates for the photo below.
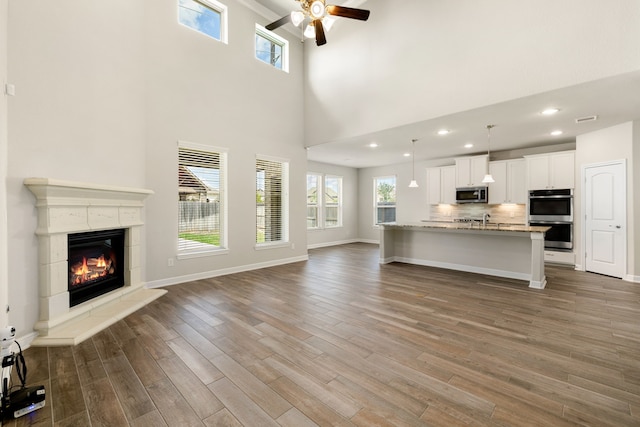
(96, 264)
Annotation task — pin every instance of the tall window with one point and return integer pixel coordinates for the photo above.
(271, 48)
(324, 201)
(332, 201)
(314, 190)
(272, 204)
(201, 198)
(205, 16)
(385, 199)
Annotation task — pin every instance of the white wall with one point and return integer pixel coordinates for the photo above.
(78, 114)
(411, 203)
(106, 88)
(350, 218)
(427, 59)
(614, 143)
(4, 276)
(211, 93)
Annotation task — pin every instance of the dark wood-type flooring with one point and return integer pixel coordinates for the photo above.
(341, 340)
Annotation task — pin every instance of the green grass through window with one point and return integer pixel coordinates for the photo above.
(209, 239)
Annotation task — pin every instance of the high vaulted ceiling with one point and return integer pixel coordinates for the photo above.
(519, 123)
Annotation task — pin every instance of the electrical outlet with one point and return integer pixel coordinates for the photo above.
(170, 262)
(293, 246)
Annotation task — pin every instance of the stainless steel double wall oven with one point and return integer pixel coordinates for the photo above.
(553, 208)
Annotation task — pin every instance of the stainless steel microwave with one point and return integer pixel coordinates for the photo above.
(472, 195)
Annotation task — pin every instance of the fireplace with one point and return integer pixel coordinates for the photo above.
(96, 264)
(90, 248)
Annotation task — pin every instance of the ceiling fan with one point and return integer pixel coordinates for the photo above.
(319, 16)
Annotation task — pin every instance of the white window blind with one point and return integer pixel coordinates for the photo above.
(271, 201)
(201, 198)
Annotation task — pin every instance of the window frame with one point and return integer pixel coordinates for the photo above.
(376, 180)
(222, 248)
(339, 205)
(321, 204)
(217, 7)
(277, 40)
(318, 203)
(284, 205)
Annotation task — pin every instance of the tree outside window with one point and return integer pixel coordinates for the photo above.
(385, 199)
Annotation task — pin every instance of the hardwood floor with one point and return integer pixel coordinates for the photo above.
(341, 340)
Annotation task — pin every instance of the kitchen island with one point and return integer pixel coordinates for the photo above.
(512, 251)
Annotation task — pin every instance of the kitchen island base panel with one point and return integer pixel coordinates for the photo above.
(512, 254)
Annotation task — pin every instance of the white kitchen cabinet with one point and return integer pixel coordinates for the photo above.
(441, 185)
(471, 170)
(434, 186)
(553, 170)
(510, 184)
(448, 177)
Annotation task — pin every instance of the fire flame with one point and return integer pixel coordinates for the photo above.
(91, 269)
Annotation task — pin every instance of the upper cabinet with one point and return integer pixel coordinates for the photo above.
(510, 184)
(441, 185)
(471, 170)
(553, 170)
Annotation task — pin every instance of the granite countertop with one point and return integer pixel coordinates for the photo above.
(475, 226)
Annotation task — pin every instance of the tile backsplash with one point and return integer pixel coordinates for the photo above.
(505, 214)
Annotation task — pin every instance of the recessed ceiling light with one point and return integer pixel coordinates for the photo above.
(373, 145)
(407, 154)
(556, 132)
(443, 131)
(468, 145)
(550, 111)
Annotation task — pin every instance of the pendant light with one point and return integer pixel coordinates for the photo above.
(413, 183)
(488, 178)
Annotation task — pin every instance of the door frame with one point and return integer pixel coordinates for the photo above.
(583, 209)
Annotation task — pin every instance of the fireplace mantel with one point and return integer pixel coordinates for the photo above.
(66, 207)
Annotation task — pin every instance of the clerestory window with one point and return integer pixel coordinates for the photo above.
(208, 17)
(271, 48)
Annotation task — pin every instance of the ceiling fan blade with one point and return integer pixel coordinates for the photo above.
(279, 23)
(348, 12)
(320, 37)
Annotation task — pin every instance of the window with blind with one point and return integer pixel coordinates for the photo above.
(384, 189)
(271, 201)
(201, 198)
(314, 181)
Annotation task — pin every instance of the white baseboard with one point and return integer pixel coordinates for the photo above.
(466, 268)
(632, 278)
(222, 272)
(336, 243)
(26, 340)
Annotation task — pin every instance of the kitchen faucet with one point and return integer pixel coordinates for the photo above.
(485, 216)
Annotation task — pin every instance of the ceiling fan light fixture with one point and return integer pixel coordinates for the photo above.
(327, 22)
(317, 9)
(297, 17)
(310, 31)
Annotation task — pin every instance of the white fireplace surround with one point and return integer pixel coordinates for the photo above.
(66, 207)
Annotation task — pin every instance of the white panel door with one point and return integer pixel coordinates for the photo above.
(605, 219)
